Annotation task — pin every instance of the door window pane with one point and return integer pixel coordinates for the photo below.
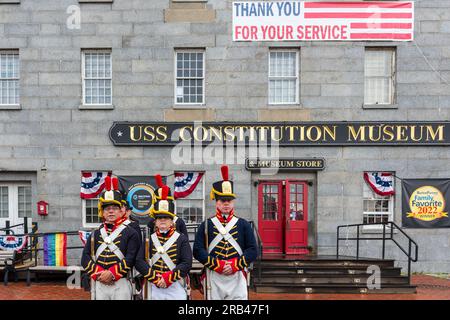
(24, 202)
(4, 202)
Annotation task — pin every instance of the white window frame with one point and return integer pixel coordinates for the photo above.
(12, 52)
(202, 198)
(83, 214)
(13, 204)
(297, 76)
(83, 76)
(189, 104)
(389, 213)
(393, 76)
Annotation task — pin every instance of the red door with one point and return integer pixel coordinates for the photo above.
(283, 216)
(296, 234)
(270, 216)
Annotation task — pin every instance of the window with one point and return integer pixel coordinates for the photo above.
(190, 77)
(15, 204)
(377, 208)
(97, 77)
(90, 213)
(191, 209)
(283, 76)
(9, 77)
(379, 74)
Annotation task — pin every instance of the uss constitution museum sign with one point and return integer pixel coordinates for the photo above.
(281, 133)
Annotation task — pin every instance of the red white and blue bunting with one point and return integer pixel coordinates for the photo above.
(13, 243)
(185, 183)
(92, 184)
(382, 183)
(84, 235)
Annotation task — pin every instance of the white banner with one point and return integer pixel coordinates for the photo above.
(323, 21)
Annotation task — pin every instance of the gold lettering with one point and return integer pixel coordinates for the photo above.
(132, 133)
(263, 132)
(413, 133)
(371, 133)
(388, 130)
(439, 131)
(291, 132)
(204, 134)
(330, 132)
(148, 131)
(162, 133)
(401, 133)
(360, 135)
(229, 133)
(215, 132)
(276, 134)
(318, 133)
(182, 132)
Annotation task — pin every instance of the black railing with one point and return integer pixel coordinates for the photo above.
(258, 261)
(8, 229)
(386, 235)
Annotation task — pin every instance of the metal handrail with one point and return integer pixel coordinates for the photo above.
(393, 226)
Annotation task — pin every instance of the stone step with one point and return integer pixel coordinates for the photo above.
(333, 263)
(334, 288)
(274, 270)
(327, 279)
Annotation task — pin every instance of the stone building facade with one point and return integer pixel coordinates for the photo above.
(50, 134)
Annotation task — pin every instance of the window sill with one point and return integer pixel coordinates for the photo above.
(380, 106)
(285, 105)
(96, 107)
(10, 106)
(95, 1)
(9, 1)
(189, 106)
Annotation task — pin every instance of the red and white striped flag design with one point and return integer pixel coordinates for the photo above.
(371, 20)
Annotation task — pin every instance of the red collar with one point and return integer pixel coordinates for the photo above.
(117, 223)
(220, 216)
(167, 235)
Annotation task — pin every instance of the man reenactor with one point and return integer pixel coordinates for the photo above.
(225, 245)
(180, 225)
(110, 250)
(167, 256)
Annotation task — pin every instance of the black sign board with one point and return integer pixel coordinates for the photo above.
(286, 164)
(425, 203)
(404, 133)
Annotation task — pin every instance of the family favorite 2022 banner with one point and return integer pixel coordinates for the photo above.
(425, 203)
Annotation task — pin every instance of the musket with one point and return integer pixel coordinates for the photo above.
(147, 245)
(207, 271)
(93, 282)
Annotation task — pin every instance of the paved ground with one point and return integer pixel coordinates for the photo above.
(429, 288)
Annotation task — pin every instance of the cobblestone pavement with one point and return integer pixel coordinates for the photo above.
(429, 288)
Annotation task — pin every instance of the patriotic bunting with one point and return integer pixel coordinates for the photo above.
(381, 183)
(92, 184)
(13, 243)
(84, 235)
(185, 183)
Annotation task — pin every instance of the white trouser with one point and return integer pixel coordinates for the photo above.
(232, 287)
(174, 292)
(120, 290)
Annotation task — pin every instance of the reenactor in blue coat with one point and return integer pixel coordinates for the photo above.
(110, 250)
(166, 258)
(226, 246)
(180, 225)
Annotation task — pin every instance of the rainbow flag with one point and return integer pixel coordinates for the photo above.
(55, 249)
